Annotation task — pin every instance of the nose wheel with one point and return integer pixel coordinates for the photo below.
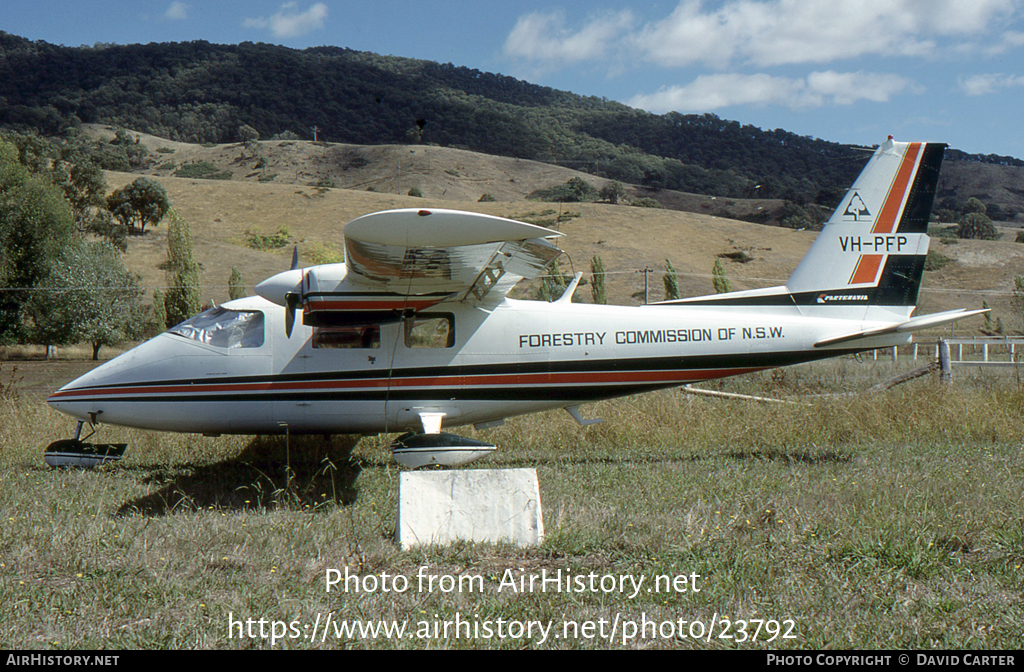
(77, 452)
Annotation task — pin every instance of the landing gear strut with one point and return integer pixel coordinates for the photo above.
(77, 453)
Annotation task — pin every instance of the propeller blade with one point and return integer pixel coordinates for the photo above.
(291, 305)
(295, 257)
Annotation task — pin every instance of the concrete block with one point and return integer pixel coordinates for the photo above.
(489, 505)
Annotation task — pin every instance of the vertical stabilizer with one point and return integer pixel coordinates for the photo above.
(873, 247)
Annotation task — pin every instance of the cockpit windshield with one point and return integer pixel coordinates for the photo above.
(223, 328)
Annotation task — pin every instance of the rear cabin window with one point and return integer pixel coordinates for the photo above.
(223, 328)
(430, 330)
(347, 337)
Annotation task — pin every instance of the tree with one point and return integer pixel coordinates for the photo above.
(612, 192)
(795, 217)
(553, 285)
(978, 226)
(249, 135)
(159, 311)
(182, 299)
(1017, 300)
(236, 286)
(89, 296)
(83, 184)
(142, 202)
(973, 205)
(36, 225)
(102, 224)
(722, 284)
(671, 282)
(598, 289)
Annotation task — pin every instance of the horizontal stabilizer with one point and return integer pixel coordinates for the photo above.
(915, 324)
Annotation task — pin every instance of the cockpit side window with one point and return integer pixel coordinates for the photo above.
(223, 328)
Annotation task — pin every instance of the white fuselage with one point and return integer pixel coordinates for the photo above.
(507, 359)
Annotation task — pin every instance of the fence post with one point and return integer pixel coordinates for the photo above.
(944, 365)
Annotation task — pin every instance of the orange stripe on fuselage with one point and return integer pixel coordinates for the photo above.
(886, 221)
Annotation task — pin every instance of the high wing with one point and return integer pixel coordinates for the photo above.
(403, 261)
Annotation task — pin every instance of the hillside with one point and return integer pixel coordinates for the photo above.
(437, 172)
(200, 92)
(206, 93)
(628, 239)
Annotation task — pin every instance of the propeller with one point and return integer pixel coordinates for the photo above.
(286, 288)
(292, 303)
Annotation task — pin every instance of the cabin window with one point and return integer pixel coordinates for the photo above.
(430, 330)
(347, 337)
(223, 328)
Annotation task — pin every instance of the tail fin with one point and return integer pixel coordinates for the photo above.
(873, 247)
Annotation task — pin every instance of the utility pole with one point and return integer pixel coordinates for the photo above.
(646, 271)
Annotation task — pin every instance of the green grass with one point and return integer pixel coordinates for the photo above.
(882, 521)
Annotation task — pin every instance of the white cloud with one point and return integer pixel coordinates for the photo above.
(177, 11)
(1011, 40)
(761, 32)
(818, 89)
(543, 36)
(778, 32)
(980, 85)
(289, 22)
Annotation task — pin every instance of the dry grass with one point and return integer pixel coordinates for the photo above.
(879, 521)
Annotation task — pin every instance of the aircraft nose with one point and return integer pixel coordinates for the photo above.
(274, 288)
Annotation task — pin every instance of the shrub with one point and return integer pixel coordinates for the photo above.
(202, 170)
(977, 226)
(936, 260)
(576, 190)
(266, 243)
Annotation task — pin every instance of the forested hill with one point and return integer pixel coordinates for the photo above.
(202, 92)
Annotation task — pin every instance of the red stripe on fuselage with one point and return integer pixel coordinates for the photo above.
(454, 382)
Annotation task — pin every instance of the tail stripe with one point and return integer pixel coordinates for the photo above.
(867, 269)
(887, 219)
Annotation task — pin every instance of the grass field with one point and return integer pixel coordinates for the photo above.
(873, 521)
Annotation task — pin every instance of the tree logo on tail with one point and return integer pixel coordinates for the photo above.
(856, 210)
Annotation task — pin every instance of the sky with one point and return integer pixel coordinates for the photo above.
(850, 71)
